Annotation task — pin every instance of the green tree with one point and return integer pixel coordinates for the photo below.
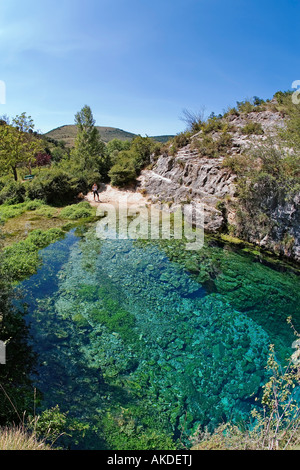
(123, 172)
(89, 153)
(142, 148)
(114, 147)
(18, 144)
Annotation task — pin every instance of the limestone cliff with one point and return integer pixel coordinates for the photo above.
(188, 177)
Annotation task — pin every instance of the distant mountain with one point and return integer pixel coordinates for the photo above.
(68, 134)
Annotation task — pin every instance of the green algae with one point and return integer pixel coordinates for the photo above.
(146, 341)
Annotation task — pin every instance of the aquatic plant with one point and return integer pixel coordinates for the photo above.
(21, 259)
(137, 344)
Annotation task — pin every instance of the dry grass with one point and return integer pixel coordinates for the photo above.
(16, 438)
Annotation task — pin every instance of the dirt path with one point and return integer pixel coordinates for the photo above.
(117, 197)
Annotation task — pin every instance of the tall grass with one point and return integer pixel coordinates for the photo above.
(17, 438)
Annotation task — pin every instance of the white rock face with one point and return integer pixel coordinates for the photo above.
(187, 178)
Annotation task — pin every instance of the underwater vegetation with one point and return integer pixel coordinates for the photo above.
(144, 342)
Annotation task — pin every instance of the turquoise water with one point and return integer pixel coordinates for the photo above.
(145, 342)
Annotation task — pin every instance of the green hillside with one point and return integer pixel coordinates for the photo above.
(68, 134)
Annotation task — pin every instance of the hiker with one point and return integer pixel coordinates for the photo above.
(95, 191)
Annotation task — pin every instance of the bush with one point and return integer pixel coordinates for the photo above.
(124, 172)
(33, 205)
(78, 211)
(11, 211)
(213, 124)
(46, 211)
(180, 141)
(245, 106)
(141, 149)
(212, 148)
(13, 193)
(253, 128)
(56, 187)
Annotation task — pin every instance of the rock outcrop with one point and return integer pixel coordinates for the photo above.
(187, 178)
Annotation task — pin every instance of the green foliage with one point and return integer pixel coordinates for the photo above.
(213, 124)
(78, 211)
(21, 259)
(13, 193)
(114, 147)
(283, 97)
(252, 128)
(211, 147)
(267, 177)
(18, 145)
(123, 172)
(193, 120)
(291, 133)
(58, 154)
(277, 424)
(11, 211)
(245, 106)
(46, 211)
(231, 111)
(8, 211)
(180, 141)
(141, 149)
(56, 427)
(89, 154)
(56, 187)
(50, 424)
(34, 205)
(125, 430)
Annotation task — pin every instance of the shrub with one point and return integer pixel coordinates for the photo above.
(11, 211)
(33, 205)
(213, 124)
(78, 211)
(56, 187)
(212, 148)
(13, 193)
(124, 172)
(141, 149)
(46, 211)
(231, 112)
(245, 106)
(253, 128)
(180, 141)
(41, 239)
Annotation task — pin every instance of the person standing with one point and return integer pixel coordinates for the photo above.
(95, 192)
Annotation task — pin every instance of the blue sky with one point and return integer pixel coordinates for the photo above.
(139, 63)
